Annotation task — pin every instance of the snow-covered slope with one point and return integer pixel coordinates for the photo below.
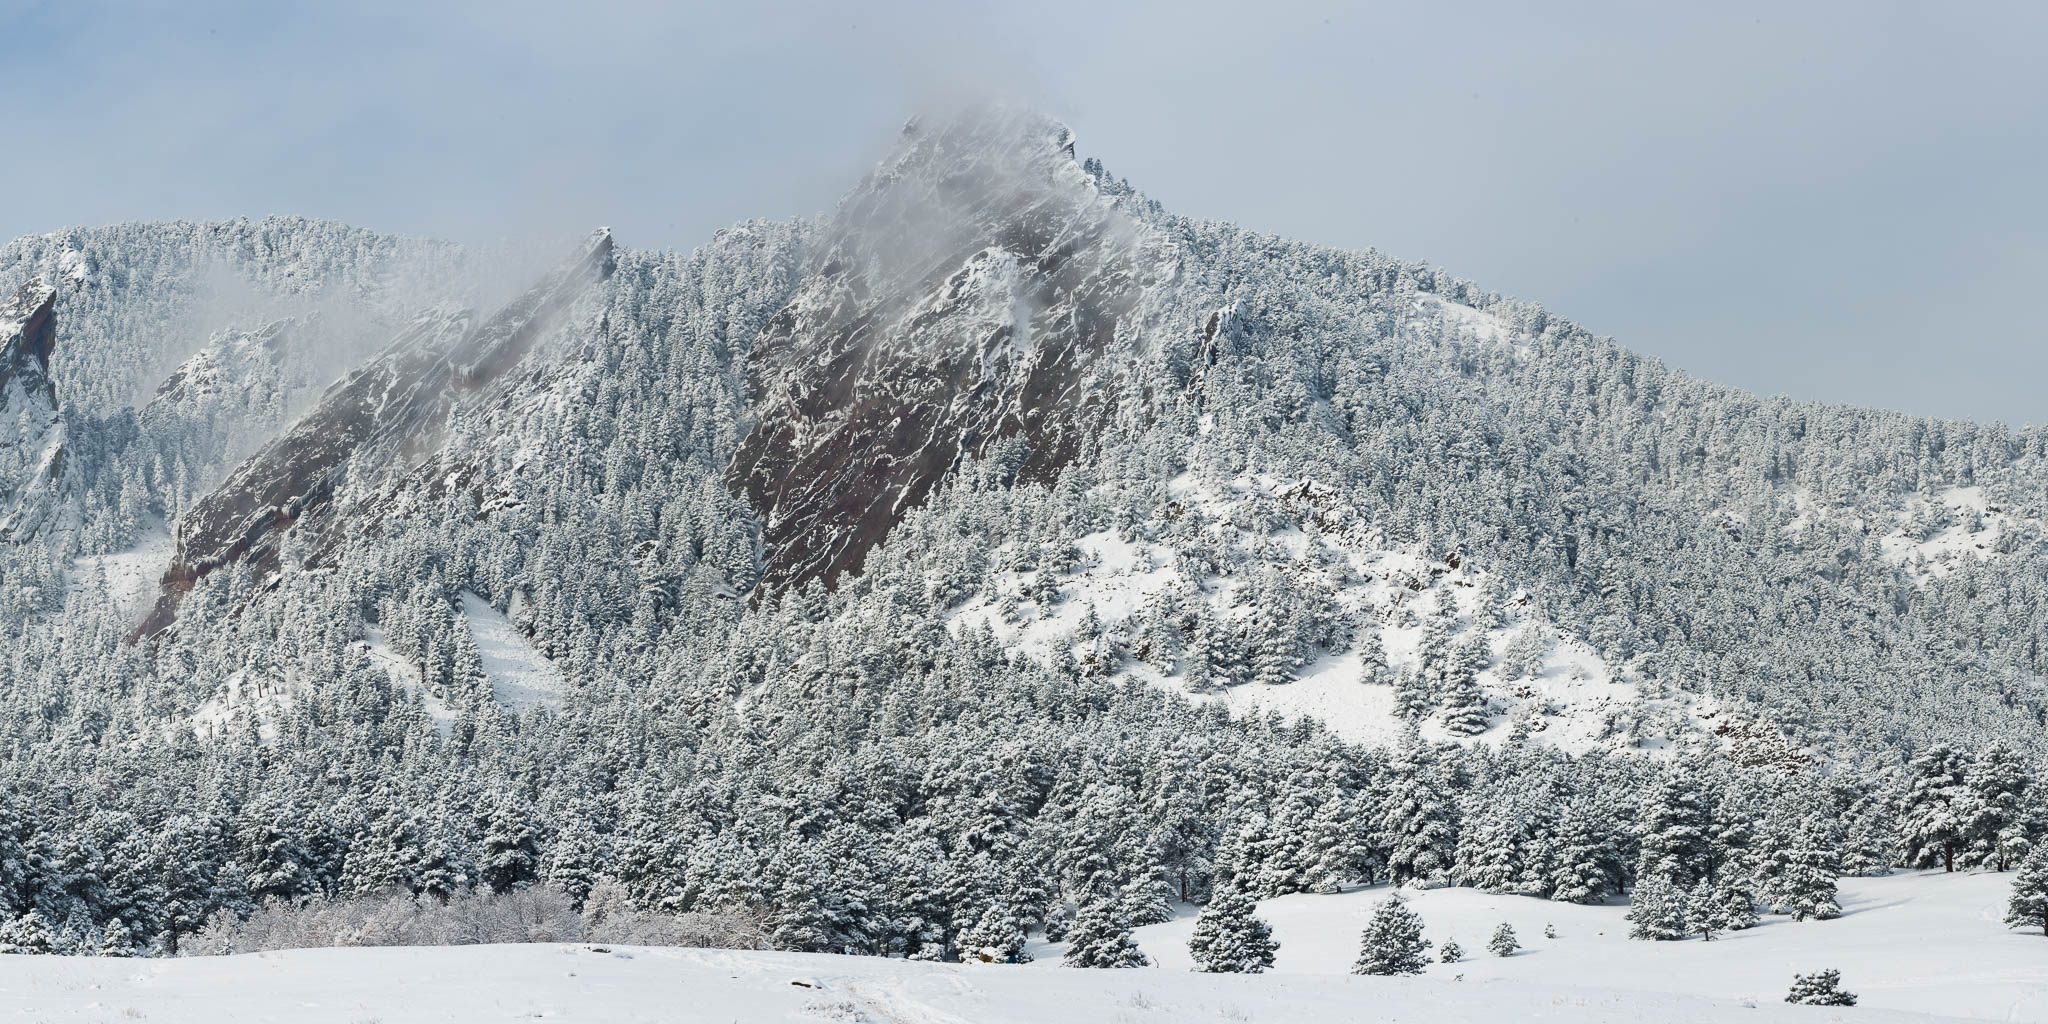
(476, 984)
(129, 575)
(520, 677)
(1941, 531)
(1568, 698)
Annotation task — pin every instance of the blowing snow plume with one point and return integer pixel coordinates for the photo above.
(967, 295)
(395, 410)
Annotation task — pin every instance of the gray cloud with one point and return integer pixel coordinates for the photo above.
(1839, 201)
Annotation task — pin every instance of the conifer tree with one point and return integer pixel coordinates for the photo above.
(1274, 657)
(1230, 937)
(2027, 907)
(1997, 834)
(1674, 830)
(510, 854)
(1372, 658)
(1392, 942)
(1588, 866)
(1503, 942)
(1935, 811)
(1419, 819)
(29, 934)
(116, 940)
(1703, 910)
(1820, 989)
(998, 936)
(1101, 937)
(1465, 707)
(1656, 910)
(1413, 695)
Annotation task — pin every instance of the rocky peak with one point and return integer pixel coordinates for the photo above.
(965, 295)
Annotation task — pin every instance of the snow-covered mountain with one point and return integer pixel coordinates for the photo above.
(1002, 554)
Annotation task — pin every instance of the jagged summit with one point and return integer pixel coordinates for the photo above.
(963, 299)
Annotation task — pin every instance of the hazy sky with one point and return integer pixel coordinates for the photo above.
(1843, 201)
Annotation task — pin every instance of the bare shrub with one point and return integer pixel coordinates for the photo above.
(540, 914)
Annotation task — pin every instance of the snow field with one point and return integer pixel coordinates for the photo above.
(1923, 942)
(630, 985)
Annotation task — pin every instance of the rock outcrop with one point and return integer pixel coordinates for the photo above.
(33, 467)
(391, 413)
(962, 305)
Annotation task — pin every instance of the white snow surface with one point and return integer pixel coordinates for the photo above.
(1973, 524)
(628, 985)
(132, 574)
(520, 677)
(1923, 942)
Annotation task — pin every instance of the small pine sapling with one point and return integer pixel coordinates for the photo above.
(1820, 989)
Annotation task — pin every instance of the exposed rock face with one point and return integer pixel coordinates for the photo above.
(28, 337)
(966, 297)
(32, 463)
(391, 413)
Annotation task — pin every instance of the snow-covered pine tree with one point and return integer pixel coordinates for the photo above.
(1935, 811)
(1465, 707)
(116, 940)
(1372, 658)
(1273, 648)
(1101, 937)
(1414, 696)
(1589, 868)
(2027, 907)
(29, 934)
(1703, 911)
(1523, 656)
(998, 936)
(1419, 818)
(1823, 988)
(1230, 937)
(1392, 942)
(1656, 910)
(1999, 831)
(509, 857)
(1734, 902)
(1674, 830)
(1503, 942)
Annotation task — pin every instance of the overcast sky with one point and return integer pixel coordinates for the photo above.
(1840, 201)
